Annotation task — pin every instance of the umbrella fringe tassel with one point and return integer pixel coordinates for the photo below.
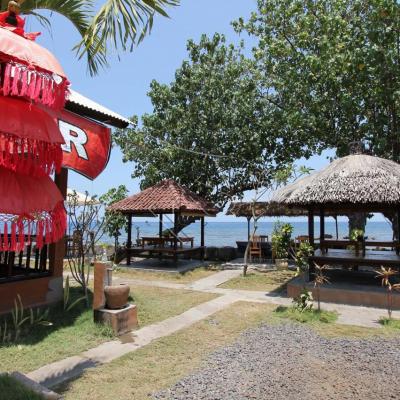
(29, 156)
(49, 228)
(41, 87)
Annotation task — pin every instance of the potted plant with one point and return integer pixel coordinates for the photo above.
(304, 251)
(281, 236)
(358, 236)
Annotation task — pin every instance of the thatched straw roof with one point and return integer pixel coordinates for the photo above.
(267, 209)
(263, 209)
(356, 182)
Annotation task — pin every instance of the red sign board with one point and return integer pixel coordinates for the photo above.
(87, 144)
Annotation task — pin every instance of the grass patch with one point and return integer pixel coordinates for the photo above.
(390, 323)
(74, 332)
(307, 316)
(11, 389)
(163, 362)
(187, 277)
(71, 333)
(269, 281)
(156, 304)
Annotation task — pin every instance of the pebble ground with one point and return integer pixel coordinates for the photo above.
(291, 361)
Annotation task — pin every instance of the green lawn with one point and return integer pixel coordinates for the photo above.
(269, 281)
(75, 331)
(187, 277)
(11, 389)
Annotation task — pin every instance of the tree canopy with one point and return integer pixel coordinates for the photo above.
(210, 128)
(330, 69)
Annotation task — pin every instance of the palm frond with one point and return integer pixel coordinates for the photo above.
(122, 24)
(80, 14)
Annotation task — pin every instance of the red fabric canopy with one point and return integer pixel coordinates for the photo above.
(30, 140)
(31, 71)
(29, 206)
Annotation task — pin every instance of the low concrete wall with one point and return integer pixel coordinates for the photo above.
(33, 292)
(226, 253)
(369, 296)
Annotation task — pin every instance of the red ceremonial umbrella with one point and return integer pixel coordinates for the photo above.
(30, 71)
(29, 206)
(30, 140)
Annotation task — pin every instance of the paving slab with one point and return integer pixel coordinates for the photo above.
(214, 280)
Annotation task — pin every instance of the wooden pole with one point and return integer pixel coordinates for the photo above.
(321, 228)
(337, 228)
(398, 231)
(57, 250)
(129, 242)
(311, 241)
(176, 215)
(202, 238)
(248, 228)
(160, 227)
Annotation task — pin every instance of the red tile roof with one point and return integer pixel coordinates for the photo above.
(166, 197)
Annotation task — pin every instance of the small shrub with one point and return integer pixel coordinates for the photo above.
(304, 301)
(281, 236)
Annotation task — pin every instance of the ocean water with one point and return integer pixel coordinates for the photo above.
(227, 233)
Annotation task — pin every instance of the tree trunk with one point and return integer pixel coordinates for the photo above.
(182, 223)
(357, 221)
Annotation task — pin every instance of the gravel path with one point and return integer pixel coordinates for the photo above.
(290, 361)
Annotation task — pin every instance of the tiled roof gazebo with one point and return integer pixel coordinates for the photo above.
(166, 197)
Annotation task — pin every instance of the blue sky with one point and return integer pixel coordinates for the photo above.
(124, 85)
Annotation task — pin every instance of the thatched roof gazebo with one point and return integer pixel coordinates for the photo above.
(356, 183)
(166, 197)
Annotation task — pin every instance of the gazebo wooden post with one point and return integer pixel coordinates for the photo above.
(311, 269)
(321, 228)
(202, 238)
(160, 226)
(176, 217)
(248, 228)
(129, 242)
(160, 231)
(398, 231)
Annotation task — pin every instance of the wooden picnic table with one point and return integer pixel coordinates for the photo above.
(167, 240)
(358, 245)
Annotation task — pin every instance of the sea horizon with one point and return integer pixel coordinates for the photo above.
(227, 233)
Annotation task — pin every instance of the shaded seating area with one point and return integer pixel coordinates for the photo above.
(29, 263)
(166, 198)
(259, 209)
(358, 183)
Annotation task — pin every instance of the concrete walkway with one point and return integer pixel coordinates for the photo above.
(55, 373)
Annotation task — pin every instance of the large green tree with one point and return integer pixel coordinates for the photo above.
(116, 25)
(330, 69)
(210, 129)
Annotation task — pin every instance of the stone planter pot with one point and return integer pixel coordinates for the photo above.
(281, 263)
(116, 296)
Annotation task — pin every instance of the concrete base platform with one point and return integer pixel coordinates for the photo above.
(345, 293)
(121, 321)
(238, 263)
(156, 265)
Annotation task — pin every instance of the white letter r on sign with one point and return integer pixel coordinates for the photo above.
(75, 135)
